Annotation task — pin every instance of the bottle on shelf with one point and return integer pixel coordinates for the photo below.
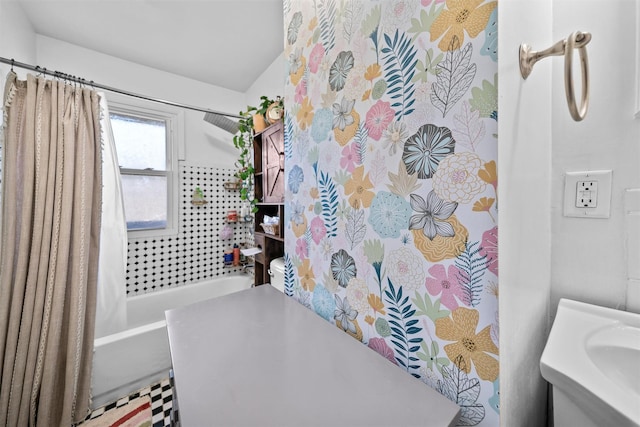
(228, 257)
(236, 255)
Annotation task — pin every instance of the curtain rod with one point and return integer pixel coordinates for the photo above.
(75, 79)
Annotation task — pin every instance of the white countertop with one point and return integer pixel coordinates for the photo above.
(260, 358)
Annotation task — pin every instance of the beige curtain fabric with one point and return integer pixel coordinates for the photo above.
(49, 251)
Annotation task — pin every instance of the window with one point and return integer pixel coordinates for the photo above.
(147, 137)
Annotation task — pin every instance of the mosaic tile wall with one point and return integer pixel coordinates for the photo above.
(196, 252)
(391, 150)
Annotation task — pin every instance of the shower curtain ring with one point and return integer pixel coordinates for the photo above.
(576, 114)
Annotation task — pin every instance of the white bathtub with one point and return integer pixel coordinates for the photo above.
(132, 359)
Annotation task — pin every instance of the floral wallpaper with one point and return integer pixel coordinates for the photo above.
(391, 187)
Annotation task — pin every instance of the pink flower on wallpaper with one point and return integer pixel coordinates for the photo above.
(318, 230)
(428, 2)
(446, 285)
(350, 157)
(301, 91)
(490, 249)
(378, 118)
(315, 57)
(302, 249)
(380, 345)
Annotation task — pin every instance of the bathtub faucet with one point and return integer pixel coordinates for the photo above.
(247, 267)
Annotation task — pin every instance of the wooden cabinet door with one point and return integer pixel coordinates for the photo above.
(273, 164)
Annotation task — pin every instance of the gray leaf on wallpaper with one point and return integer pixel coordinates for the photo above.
(468, 129)
(351, 18)
(463, 391)
(378, 171)
(454, 77)
(356, 229)
(294, 26)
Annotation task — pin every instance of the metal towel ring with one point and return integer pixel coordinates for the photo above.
(577, 40)
(568, 79)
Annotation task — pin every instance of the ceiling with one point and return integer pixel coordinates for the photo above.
(227, 43)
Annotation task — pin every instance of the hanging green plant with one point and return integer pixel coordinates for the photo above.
(243, 141)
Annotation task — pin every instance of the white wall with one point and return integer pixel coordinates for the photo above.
(545, 256)
(524, 159)
(206, 145)
(17, 39)
(542, 253)
(270, 82)
(588, 255)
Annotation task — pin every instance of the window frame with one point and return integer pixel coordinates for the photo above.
(174, 125)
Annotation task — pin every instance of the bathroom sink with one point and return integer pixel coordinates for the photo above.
(615, 351)
(592, 358)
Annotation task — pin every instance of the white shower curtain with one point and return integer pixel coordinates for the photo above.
(111, 313)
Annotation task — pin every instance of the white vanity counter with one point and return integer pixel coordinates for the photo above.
(259, 358)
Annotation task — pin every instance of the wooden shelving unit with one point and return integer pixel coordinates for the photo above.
(268, 151)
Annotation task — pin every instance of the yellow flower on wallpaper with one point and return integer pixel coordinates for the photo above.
(313, 23)
(298, 71)
(460, 16)
(376, 303)
(314, 193)
(373, 72)
(357, 334)
(489, 174)
(347, 134)
(469, 347)
(305, 114)
(484, 204)
(307, 278)
(358, 188)
(440, 248)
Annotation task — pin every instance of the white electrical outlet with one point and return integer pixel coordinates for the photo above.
(587, 194)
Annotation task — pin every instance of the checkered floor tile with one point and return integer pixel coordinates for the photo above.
(161, 403)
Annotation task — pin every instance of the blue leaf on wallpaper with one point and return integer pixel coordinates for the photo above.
(455, 75)
(399, 56)
(288, 137)
(371, 25)
(288, 275)
(494, 401)
(464, 392)
(329, 201)
(403, 330)
(471, 268)
(326, 11)
(490, 47)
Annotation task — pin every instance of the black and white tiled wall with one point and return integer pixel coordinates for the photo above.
(196, 252)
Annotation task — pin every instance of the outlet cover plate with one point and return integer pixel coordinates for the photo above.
(587, 194)
(600, 206)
